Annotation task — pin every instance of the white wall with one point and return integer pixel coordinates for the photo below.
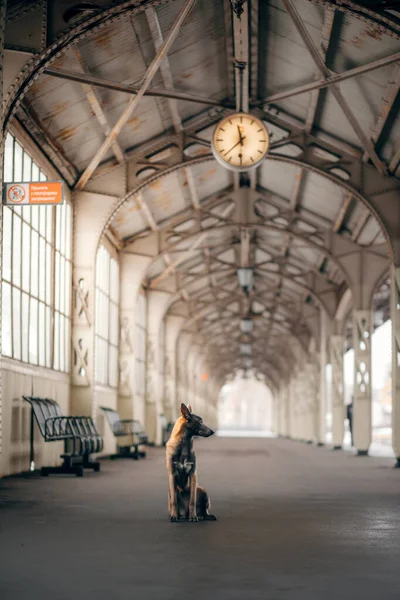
(20, 379)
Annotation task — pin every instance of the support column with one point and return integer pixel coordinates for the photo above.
(321, 412)
(183, 346)
(88, 208)
(302, 405)
(277, 402)
(192, 377)
(157, 302)
(173, 325)
(202, 399)
(292, 416)
(313, 380)
(285, 411)
(395, 317)
(362, 410)
(132, 269)
(338, 413)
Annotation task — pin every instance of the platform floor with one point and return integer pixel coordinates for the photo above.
(295, 522)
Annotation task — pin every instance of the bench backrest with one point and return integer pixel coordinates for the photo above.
(113, 418)
(137, 427)
(43, 408)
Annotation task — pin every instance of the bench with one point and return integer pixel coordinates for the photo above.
(123, 428)
(79, 434)
(166, 429)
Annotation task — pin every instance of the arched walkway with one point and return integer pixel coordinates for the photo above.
(164, 275)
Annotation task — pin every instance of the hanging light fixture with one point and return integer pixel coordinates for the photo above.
(248, 363)
(246, 279)
(245, 349)
(246, 325)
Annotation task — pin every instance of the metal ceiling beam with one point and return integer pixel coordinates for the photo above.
(329, 80)
(165, 69)
(296, 192)
(388, 100)
(260, 295)
(178, 261)
(347, 198)
(241, 57)
(288, 232)
(313, 50)
(95, 104)
(186, 214)
(181, 259)
(133, 103)
(166, 74)
(329, 17)
(129, 89)
(245, 248)
(363, 220)
(254, 48)
(138, 198)
(28, 119)
(253, 79)
(204, 120)
(394, 163)
(229, 48)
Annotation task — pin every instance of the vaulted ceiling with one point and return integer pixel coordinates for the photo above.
(324, 77)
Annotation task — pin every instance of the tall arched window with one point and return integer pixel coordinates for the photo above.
(106, 326)
(36, 286)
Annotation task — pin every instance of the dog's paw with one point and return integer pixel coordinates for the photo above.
(173, 519)
(193, 519)
(211, 518)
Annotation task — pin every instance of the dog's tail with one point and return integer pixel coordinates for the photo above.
(209, 516)
(204, 505)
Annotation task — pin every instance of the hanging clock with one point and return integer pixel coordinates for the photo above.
(240, 142)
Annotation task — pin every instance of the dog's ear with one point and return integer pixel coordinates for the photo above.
(190, 408)
(185, 412)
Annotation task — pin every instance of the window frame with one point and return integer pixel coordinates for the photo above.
(107, 331)
(39, 222)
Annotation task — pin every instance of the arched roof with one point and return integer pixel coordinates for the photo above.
(324, 77)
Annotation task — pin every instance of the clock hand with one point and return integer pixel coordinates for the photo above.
(232, 148)
(240, 136)
(239, 142)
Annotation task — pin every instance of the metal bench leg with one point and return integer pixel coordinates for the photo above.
(90, 464)
(62, 470)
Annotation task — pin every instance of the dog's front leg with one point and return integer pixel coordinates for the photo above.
(173, 501)
(193, 498)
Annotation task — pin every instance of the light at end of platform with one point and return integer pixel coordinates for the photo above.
(245, 349)
(246, 325)
(246, 277)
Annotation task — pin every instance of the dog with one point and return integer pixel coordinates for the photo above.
(186, 500)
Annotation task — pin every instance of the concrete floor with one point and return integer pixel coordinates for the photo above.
(295, 522)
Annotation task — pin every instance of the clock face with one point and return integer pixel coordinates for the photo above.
(240, 142)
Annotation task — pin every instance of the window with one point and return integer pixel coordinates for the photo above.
(107, 325)
(36, 272)
(140, 345)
